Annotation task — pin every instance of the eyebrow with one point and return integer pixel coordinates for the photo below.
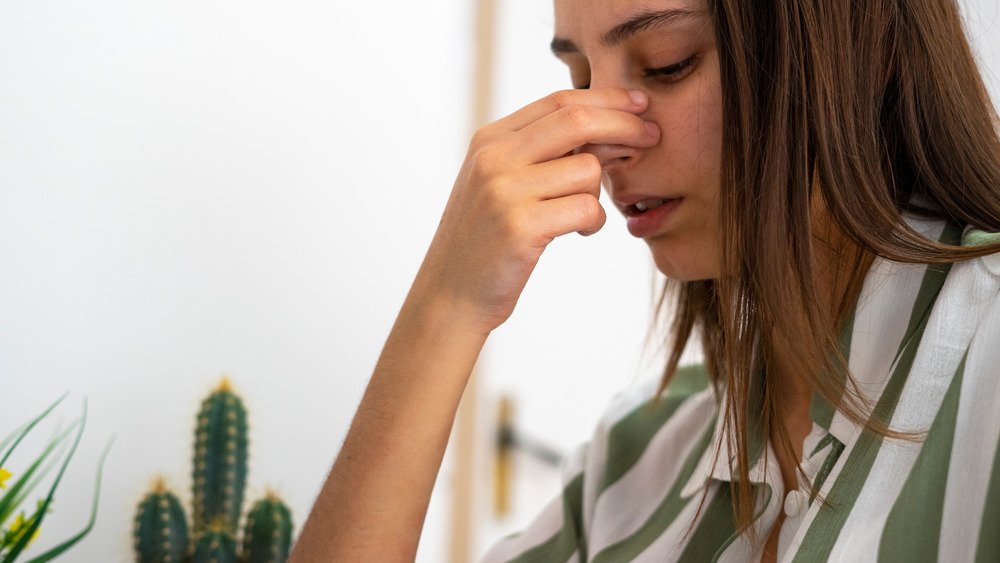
(643, 21)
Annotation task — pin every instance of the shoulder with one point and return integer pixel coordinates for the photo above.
(638, 425)
(966, 301)
(975, 284)
(968, 320)
(970, 283)
(639, 450)
(639, 410)
(979, 237)
(980, 279)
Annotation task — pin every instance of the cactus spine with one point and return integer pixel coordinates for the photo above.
(161, 532)
(220, 460)
(216, 545)
(267, 537)
(220, 470)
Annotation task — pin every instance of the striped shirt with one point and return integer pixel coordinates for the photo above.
(923, 344)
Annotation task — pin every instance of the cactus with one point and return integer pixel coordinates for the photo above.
(267, 537)
(219, 480)
(216, 545)
(161, 532)
(220, 460)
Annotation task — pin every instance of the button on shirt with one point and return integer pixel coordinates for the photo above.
(816, 449)
(924, 346)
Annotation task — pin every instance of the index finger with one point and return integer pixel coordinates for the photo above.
(609, 98)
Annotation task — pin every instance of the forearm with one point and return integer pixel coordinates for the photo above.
(373, 503)
(522, 185)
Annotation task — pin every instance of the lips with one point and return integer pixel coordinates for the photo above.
(641, 204)
(644, 224)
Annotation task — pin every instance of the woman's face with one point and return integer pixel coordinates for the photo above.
(633, 44)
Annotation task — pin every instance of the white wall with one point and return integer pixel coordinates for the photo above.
(191, 189)
(195, 188)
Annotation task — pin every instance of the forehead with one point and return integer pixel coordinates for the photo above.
(584, 20)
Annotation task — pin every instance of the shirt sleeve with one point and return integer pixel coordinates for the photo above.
(559, 533)
(562, 532)
(556, 534)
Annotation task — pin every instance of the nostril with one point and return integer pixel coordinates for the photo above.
(615, 161)
(611, 156)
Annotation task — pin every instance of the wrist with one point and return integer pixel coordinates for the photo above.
(438, 313)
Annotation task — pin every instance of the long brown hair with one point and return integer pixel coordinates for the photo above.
(873, 104)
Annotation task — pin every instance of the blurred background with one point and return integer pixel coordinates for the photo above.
(197, 189)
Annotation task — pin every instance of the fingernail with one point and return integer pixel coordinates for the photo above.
(638, 97)
(652, 129)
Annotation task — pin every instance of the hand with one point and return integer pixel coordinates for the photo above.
(522, 184)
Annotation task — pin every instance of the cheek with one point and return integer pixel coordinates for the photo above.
(691, 121)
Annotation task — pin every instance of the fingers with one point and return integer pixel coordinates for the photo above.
(529, 154)
(578, 212)
(619, 99)
(574, 126)
(563, 121)
(576, 174)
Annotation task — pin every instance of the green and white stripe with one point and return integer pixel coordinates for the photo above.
(924, 345)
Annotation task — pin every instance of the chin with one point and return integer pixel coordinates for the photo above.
(682, 264)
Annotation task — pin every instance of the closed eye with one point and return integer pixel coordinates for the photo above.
(671, 70)
(664, 72)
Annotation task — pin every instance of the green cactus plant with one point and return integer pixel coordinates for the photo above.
(220, 460)
(216, 545)
(267, 537)
(161, 532)
(218, 483)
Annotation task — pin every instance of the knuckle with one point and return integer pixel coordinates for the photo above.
(561, 99)
(481, 138)
(478, 139)
(485, 160)
(576, 116)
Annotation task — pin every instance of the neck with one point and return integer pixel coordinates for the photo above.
(840, 264)
(840, 268)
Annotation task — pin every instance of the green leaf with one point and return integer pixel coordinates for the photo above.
(43, 472)
(59, 549)
(17, 492)
(20, 545)
(23, 431)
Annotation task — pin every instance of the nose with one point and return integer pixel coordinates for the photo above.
(611, 156)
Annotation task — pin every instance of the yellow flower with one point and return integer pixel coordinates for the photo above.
(4, 475)
(20, 526)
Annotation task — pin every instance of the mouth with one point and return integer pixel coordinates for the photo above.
(648, 217)
(646, 206)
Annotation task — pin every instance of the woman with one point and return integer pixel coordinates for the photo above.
(819, 181)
